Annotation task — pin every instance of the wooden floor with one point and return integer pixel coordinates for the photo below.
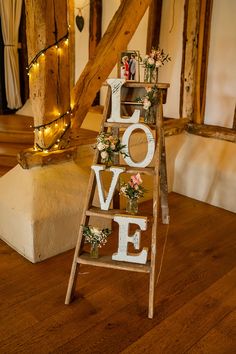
(195, 303)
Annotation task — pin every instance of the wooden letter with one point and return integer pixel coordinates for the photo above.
(116, 172)
(150, 141)
(115, 103)
(124, 238)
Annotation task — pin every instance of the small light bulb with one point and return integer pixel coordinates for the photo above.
(46, 151)
(66, 41)
(42, 54)
(58, 140)
(56, 125)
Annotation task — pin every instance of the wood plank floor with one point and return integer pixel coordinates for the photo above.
(194, 308)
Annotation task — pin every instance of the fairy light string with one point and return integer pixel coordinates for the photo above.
(40, 129)
(34, 61)
(62, 121)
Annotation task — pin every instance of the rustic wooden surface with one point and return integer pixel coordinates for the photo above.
(50, 82)
(202, 60)
(210, 131)
(95, 33)
(154, 25)
(189, 57)
(114, 40)
(194, 305)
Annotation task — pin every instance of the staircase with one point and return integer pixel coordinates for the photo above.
(15, 136)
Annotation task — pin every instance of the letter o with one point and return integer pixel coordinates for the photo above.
(150, 142)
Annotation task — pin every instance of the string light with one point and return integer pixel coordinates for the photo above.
(34, 61)
(47, 127)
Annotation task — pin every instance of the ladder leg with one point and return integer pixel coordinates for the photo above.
(164, 185)
(72, 283)
(151, 293)
(74, 271)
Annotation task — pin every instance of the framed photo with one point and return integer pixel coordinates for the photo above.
(128, 66)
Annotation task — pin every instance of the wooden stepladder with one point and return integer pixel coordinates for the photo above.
(121, 97)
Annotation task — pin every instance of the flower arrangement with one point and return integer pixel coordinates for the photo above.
(151, 62)
(133, 189)
(149, 100)
(155, 59)
(93, 235)
(107, 144)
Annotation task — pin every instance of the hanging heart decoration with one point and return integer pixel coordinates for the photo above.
(79, 21)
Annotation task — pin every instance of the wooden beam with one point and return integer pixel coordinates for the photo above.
(211, 131)
(71, 22)
(154, 25)
(115, 39)
(95, 33)
(50, 81)
(202, 60)
(196, 39)
(175, 126)
(234, 121)
(189, 58)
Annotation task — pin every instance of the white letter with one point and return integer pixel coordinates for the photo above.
(150, 141)
(124, 238)
(116, 172)
(115, 103)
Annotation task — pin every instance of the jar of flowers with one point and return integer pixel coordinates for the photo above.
(149, 101)
(151, 62)
(109, 146)
(97, 238)
(132, 190)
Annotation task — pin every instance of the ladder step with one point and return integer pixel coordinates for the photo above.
(125, 125)
(143, 170)
(110, 214)
(107, 262)
(132, 103)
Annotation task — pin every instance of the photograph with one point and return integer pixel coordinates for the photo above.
(128, 67)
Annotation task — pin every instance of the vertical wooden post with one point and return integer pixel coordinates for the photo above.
(49, 80)
(95, 32)
(71, 23)
(154, 25)
(196, 38)
(202, 60)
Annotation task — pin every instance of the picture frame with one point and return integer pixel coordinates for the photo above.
(128, 65)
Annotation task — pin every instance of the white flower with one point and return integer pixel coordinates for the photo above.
(158, 63)
(151, 61)
(146, 104)
(101, 146)
(113, 146)
(95, 230)
(104, 155)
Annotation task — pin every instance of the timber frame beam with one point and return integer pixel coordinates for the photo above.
(196, 39)
(114, 40)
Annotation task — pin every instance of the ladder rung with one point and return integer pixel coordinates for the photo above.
(109, 214)
(132, 103)
(144, 170)
(125, 125)
(107, 262)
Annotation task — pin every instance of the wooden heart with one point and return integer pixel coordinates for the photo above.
(79, 22)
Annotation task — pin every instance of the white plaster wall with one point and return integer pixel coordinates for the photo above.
(221, 76)
(206, 170)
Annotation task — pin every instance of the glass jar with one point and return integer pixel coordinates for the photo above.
(150, 116)
(151, 75)
(132, 206)
(94, 250)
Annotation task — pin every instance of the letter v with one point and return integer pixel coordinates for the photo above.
(116, 172)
